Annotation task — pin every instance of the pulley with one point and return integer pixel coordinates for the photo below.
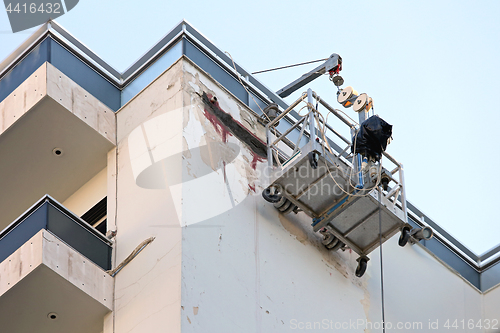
(347, 96)
(272, 111)
(337, 80)
(363, 102)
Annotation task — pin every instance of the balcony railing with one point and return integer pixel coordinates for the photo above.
(48, 214)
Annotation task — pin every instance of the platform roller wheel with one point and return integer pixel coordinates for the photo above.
(337, 246)
(361, 269)
(404, 237)
(330, 241)
(272, 198)
(284, 205)
(313, 159)
(328, 237)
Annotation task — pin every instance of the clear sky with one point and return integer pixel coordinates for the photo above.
(430, 66)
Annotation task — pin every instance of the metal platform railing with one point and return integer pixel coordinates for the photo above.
(313, 126)
(321, 175)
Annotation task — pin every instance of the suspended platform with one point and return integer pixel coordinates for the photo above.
(346, 201)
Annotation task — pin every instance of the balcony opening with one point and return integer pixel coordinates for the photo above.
(97, 216)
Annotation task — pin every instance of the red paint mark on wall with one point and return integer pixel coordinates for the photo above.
(218, 126)
(256, 158)
(225, 125)
(223, 121)
(251, 187)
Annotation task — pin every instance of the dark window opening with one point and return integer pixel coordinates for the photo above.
(96, 216)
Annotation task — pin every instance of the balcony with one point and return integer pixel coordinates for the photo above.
(53, 272)
(54, 138)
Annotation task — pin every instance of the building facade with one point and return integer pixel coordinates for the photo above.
(131, 203)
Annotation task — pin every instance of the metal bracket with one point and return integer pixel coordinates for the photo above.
(334, 62)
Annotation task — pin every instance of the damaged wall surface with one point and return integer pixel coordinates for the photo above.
(257, 270)
(190, 173)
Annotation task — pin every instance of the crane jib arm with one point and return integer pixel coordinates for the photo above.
(333, 65)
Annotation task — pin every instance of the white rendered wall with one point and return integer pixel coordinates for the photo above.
(491, 308)
(88, 195)
(147, 290)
